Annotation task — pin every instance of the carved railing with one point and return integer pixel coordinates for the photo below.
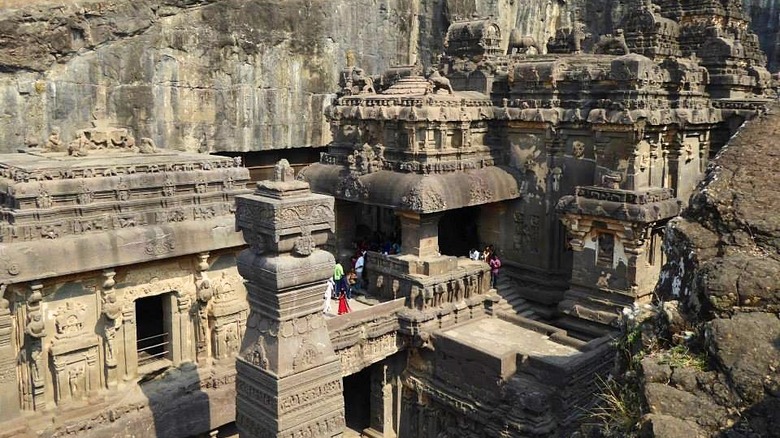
(392, 277)
(625, 196)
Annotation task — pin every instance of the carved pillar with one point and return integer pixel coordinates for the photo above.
(288, 375)
(112, 313)
(419, 233)
(130, 337)
(9, 387)
(35, 331)
(201, 309)
(182, 320)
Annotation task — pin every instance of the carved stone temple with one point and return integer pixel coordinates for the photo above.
(122, 311)
(568, 162)
(117, 264)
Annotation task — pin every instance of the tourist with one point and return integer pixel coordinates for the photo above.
(486, 253)
(495, 265)
(343, 302)
(351, 283)
(474, 254)
(338, 276)
(359, 265)
(329, 289)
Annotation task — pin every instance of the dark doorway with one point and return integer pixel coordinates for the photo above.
(357, 400)
(458, 231)
(152, 337)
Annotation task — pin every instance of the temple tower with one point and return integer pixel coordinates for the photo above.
(289, 377)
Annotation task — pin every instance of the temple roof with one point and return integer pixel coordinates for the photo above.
(421, 193)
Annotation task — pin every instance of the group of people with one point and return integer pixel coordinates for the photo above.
(341, 285)
(489, 256)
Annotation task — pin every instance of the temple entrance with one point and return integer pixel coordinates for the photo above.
(152, 333)
(459, 231)
(357, 401)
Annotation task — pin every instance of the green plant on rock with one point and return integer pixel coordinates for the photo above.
(680, 356)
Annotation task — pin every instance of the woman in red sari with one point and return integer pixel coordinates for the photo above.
(343, 303)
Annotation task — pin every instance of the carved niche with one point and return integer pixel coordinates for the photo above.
(74, 354)
(227, 314)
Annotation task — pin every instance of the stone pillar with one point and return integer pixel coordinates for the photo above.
(9, 396)
(35, 331)
(346, 212)
(288, 375)
(419, 233)
(129, 336)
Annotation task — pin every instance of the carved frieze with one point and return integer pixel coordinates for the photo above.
(423, 200)
(352, 188)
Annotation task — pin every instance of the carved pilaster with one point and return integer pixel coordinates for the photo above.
(129, 335)
(288, 375)
(35, 331)
(112, 319)
(9, 387)
(204, 292)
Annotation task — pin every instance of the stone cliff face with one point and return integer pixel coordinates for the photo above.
(233, 75)
(711, 357)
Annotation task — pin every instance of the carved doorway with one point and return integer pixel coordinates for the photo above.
(153, 332)
(459, 232)
(357, 400)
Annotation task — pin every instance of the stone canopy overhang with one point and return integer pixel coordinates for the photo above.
(638, 207)
(420, 193)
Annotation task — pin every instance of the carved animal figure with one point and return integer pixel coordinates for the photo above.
(439, 82)
(612, 44)
(521, 43)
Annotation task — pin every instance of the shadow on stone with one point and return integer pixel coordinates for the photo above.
(180, 408)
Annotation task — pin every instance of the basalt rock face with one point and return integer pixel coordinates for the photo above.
(193, 75)
(722, 283)
(230, 75)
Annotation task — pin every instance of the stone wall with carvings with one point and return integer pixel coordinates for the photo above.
(88, 234)
(77, 344)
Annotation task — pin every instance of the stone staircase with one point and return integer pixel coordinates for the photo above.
(511, 301)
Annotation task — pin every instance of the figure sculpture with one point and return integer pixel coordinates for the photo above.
(521, 43)
(439, 82)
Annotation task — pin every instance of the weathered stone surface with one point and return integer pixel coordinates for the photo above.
(740, 345)
(667, 400)
(666, 426)
(259, 72)
(722, 267)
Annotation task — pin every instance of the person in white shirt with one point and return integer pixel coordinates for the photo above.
(328, 295)
(359, 265)
(474, 254)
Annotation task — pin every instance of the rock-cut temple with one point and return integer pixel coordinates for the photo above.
(149, 292)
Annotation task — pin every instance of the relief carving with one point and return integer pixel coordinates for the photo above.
(306, 357)
(160, 246)
(69, 319)
(421, 199)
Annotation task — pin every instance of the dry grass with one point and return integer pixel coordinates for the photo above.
(617, 411)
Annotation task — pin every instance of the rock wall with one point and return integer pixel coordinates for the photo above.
(721, 293)
(233, 75)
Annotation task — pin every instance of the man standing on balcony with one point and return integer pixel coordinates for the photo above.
(359, 265)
